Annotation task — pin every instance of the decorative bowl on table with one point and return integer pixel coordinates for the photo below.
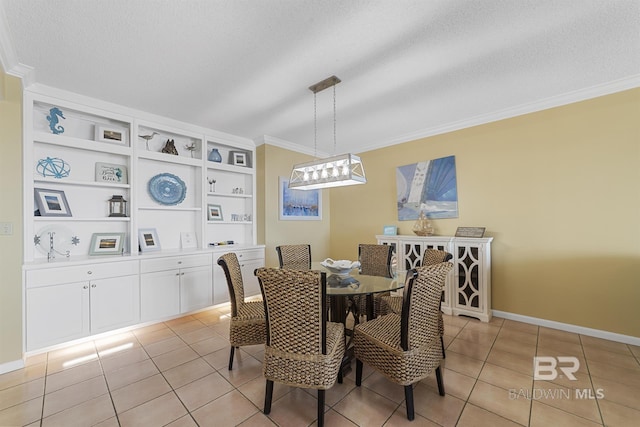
(342, 266)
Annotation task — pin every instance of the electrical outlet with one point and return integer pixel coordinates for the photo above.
(6, 228)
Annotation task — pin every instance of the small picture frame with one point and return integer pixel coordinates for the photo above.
(470, 232)
(109, 172)
(188, 240)
(106, 244)
(148, 240)
(214, 213)
(111, 133)
(51, 202)
(239, 158)
(390, 230)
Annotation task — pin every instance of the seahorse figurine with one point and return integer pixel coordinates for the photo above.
(170, 147)
(53, 120)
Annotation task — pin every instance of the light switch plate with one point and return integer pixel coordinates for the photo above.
(6, 228)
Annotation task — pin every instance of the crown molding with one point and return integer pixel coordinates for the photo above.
(9, 59)
(288, 145)
(596, 91)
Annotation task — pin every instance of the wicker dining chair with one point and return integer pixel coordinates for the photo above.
(248, 324)
(302, 349)
(375, 260)
(294, 257)
(405, 347)
(393, 303)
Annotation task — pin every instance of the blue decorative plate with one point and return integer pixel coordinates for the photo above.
(167, 189)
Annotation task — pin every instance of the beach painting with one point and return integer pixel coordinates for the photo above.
(429, 186)
(301, 205)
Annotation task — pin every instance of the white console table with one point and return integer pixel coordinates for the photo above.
(468, 287)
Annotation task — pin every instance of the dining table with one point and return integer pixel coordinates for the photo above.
(342, 292)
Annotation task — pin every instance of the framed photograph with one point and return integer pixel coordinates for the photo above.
(148, 240)
(298, 205)
(106, 244)
(188, 240)
(470, 231)
(214, 213)
(239, 158)
(51, 202)
(390, 230)
(111, 133)
(109, 172)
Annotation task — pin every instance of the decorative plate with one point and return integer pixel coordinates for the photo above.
(167, 189)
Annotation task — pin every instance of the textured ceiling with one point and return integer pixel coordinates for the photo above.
(408, 67)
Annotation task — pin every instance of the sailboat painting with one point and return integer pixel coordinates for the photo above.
(428, 187)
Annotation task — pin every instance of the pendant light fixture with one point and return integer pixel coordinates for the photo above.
(336, 171)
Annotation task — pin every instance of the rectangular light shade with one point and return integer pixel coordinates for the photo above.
(337, 171)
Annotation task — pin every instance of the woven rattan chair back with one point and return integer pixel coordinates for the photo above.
(302, 348)
(231, 266)
(375, 260)
(247, 324)
(294, 257)
(421, 306)
(435, 256)
(293, 301)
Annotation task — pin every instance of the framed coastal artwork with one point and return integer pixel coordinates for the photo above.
(298, 205)
(429, 186)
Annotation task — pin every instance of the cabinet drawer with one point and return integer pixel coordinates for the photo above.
(249, 254)
(79, 273)
(171, 263)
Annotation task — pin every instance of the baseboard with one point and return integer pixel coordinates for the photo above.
(11, 366)
(611, 336)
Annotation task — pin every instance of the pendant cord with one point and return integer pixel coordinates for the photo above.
(315, 127)
(334, 120)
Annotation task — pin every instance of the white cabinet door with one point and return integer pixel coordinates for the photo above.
(159, 294)
(56, 314)
(114, 303)
(195, 288)
(250, 281)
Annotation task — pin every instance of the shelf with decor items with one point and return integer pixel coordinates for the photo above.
(468, 288)
(229, 191)
(86, 256)
(76, 158)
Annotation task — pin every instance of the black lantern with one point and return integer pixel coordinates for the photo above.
(117, 206)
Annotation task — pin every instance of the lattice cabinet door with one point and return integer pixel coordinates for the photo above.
(472, 279)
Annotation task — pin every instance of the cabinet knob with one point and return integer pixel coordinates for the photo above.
(240, 256)
(93, 286)
(85, 287)
(179, 262)
(89, 272)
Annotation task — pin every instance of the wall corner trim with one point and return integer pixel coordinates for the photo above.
(11, 366)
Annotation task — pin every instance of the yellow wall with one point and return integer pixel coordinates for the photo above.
(11, 211)
(559, 190)
(274, 162)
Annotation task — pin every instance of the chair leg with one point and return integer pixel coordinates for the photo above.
(439, 379)
(320, 408)
(340, 375)
(268, 395)
(444, 356)
(358, 372)
(408, 397)
(231, 357)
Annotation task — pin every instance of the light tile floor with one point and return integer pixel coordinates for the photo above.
(175, 374)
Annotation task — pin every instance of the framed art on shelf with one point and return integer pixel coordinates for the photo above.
(109, 172)
(239, 158)
(112, 134)
(148, 240)
(51, 202)
(188, 240)
(214, 212)
(106, 244)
